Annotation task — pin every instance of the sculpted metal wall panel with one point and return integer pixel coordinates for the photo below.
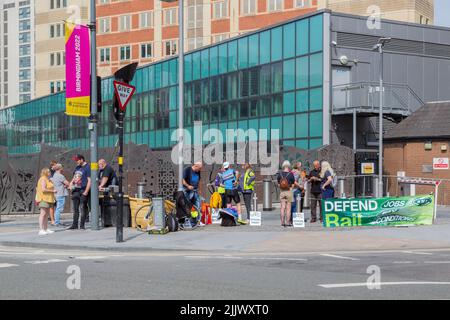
(19, 173)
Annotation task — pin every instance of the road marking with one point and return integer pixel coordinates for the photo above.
(8, 265)
(418, 253)
(246, 258)
(46, 261)
(90, 258)
(365, 284)
(402, 262)
(437, 262)
(339, 257)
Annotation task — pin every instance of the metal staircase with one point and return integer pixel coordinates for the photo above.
(399, 100)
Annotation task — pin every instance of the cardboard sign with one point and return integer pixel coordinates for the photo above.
(215, 216)
(255, 218)
(298, 220)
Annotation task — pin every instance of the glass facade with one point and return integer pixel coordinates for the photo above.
(271, 79)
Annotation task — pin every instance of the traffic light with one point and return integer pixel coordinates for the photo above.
(99, 94)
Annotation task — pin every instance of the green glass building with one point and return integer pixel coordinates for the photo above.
(270, 79)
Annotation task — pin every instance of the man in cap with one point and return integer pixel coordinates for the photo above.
(81, 187)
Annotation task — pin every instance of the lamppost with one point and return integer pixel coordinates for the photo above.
(180, 89)
(93, 120)
(379, 47)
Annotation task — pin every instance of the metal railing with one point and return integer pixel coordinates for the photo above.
(363, 186)
(399, 99)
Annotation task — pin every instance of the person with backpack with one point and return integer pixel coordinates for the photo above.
(327, 184)
(218, 183)
(286, 181)
(248, 187)
(191, 183)
(230, 181)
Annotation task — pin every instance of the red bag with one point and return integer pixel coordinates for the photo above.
(206, 214)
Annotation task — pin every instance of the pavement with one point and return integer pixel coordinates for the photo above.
(270, 237)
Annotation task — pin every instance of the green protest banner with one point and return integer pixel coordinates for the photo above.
(402, 211)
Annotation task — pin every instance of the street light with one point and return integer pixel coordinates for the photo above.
(180, 90)
(379, 47)
(93, 120)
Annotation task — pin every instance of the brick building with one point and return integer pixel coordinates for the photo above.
(414, 145)
(147, 30)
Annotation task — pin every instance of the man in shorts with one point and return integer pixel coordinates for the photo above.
(230, 181)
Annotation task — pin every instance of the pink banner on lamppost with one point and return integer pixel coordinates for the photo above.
(78, 67)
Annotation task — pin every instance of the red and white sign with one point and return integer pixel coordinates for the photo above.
(440, 164)
(124, 92)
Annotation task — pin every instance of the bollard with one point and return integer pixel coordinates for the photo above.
(341, 188)
(306, 202)
(298, 200)
(255, 202)
(375, 186)
(267, 192)
(140, 190)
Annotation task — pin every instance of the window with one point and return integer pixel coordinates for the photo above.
(104, 1)
(24, 25)
(57, 59)
(105, 55)
(24, 13)
(195, 16)
(170, 47)
(58, 4)
(194, 43)
(25, 50)
(170, 16)
(274, 5)
(25, 62)
(25, 86)
(146, 50)
(220, 37)
(125, 53)
(104, 25)
(24, 37)
(248, 7)
(302, 3)
(220, 9)
(25, 74)
(145, 20)
(125, 23)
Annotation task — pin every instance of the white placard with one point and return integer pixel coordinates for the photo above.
(440, 164)
(298, 220)
(255, 218)
(215, 216)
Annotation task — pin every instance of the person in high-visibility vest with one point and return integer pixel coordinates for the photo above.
(248, 187)
(220, 188)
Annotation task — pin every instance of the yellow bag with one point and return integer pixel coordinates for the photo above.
(215, 202)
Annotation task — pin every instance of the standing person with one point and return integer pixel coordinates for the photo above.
(285, 180)
(298, 188)
(191, 185)
(248, 187)
(81, 187)
(52, 209)
(316, 192)
(230, 179)
(106, 175)
(61, 184)
(327, 175)
(45, 197)
(218, 182)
